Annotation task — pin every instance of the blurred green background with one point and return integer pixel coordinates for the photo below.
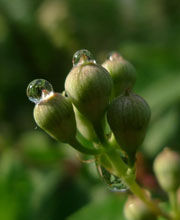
(43, 179)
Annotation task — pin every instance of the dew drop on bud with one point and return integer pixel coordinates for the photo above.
(39, 89)
(113, 182)
(82, 56)
(114, 56)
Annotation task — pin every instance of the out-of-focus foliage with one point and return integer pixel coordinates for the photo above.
(43, 179)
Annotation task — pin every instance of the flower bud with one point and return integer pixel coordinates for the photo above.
(128, 117)
(167, 170)
(135, 209)
(89, 86)
(55, 115)
(122, 72)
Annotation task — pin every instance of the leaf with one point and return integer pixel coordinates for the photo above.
(159, 133)
(162, 95)
(106, 209)
(38, 148)
(166, 207)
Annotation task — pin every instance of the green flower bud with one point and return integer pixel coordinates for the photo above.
(128, 117)
(122, 72)
(89, 86)
(135, 209)
(52, 112)
(55, 116)
(167, 170)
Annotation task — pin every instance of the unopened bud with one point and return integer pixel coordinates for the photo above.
(89, 86)
(122, 72)
(52, 112)
(135, 209)
(167, 170)
(128, 117)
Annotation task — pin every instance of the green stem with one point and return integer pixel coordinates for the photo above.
(98, 127)
(100, 132)
(83, 140)
(113, 143)
(174, 205)
(85, 150)
(125, 173)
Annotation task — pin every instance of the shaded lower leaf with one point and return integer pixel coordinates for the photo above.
(107, 209)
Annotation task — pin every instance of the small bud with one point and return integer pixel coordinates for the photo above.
(122, 72)
(128, 117)
(89, 86)
(52, 112)
(55, 115)
(167, 170)
(135, 209)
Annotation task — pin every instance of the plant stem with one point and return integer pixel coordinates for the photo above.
(98, 127)
(173, 201)
(83, 140)
(85, 150)
(99, 132)
(125, 173)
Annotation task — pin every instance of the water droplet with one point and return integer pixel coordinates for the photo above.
(114, 183)
(39, 89)
(82, 56)
(114, 56)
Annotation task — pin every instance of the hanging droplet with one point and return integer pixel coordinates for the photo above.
(113, 182)
(82, 56)
(114, 56)
(39, 89)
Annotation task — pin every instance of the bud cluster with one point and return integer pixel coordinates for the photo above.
(92, 92)
(99, 114)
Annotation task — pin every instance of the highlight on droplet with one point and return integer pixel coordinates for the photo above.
(82, 56)
(38, 90)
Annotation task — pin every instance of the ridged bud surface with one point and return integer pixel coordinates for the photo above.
(128, 117)
(89, 88)
(122, 72)
(55, 115)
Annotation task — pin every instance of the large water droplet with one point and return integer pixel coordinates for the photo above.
(82, 56)
(114, 56)
(39, 89)
(114, 183)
